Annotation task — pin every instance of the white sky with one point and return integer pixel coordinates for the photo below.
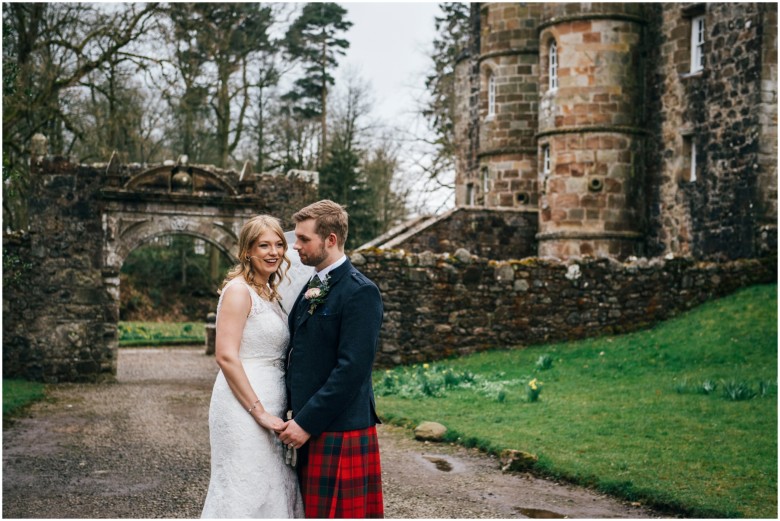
(389, 46)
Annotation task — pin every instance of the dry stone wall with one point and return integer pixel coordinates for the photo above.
(438, 306)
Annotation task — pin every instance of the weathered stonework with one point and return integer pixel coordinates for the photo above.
(60, 315)
(438, 306)
(619, 185)
(622, 126)
(498, 234)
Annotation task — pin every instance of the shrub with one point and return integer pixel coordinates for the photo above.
(544, 362)
(738, 391)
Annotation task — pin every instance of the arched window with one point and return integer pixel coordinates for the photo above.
(553, 58)
(491, 94)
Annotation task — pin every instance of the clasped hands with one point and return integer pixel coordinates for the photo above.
(289, 432)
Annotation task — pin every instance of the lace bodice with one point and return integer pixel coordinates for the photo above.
(264, 337)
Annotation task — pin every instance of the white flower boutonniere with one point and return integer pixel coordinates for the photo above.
(317, 292)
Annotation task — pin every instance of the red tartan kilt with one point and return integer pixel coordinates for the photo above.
(341, 476)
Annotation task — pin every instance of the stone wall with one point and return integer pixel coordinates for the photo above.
(58, 321)
(494, 234)
(720, 213)
(438, 306)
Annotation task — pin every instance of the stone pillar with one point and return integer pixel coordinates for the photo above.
(592, 200)
(211, 333)
(70, 333)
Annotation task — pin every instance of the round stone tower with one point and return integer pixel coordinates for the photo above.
(503, 76)
(590, 130)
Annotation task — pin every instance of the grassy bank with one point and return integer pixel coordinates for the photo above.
(683, 416)
(160, 333)
(18, 393)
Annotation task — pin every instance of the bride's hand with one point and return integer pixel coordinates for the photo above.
(270, 422)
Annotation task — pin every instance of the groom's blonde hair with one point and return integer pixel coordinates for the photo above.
(329, 217)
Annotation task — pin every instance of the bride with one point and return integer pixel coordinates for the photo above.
(249, 477)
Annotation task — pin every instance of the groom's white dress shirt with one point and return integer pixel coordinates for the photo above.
(324, 273)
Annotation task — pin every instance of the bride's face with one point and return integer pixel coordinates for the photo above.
(266, 254)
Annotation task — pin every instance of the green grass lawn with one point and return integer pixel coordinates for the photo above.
(160, 333)
(18, 393)
(645, 416)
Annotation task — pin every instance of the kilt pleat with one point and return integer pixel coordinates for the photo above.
(341, 475)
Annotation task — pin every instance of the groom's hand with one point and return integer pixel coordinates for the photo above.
(294, 435)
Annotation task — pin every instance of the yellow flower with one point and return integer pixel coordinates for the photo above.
(425, 366)
(532, 384)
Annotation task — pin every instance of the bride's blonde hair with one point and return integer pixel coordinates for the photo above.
(250, 233)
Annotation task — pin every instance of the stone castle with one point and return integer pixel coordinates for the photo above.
(589, 134)
(613, 129)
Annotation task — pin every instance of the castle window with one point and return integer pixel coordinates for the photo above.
(697, 43)
(470, 194)
(553, 83)
(546, 166)
(485, 180)
(491, 95)
(690, 168)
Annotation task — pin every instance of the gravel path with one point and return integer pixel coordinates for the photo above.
(139, 448)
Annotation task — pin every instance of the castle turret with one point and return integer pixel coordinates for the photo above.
(500, 82)
(591, 136)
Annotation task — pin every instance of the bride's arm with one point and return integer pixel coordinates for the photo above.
(236, 305)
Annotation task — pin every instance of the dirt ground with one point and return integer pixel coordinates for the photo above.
(139, 448)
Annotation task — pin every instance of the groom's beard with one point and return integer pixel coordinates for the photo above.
(314, 260)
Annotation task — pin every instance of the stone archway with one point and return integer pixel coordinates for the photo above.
(60, 323)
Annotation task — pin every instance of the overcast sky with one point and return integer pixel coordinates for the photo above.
(389, 47)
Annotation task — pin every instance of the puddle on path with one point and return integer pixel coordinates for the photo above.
(537, 513)
(441, 464)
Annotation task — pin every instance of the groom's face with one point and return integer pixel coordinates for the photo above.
(309, 245)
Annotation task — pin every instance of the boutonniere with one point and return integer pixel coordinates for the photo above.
(317, 292)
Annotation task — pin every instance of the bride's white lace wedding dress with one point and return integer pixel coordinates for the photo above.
(249, 478)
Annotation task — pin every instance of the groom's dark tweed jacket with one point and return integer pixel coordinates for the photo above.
(331, 354)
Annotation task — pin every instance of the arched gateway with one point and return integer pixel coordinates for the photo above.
(60, 312)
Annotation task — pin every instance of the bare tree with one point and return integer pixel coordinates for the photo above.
(48, 50)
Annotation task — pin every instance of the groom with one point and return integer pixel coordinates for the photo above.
(334, 330)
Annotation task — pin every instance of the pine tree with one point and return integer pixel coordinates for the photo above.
(314, 39)
(451, 41)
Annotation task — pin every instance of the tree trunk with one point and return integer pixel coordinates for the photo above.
(214, 263)
(324, 116)
(260, 134)
(223, 116)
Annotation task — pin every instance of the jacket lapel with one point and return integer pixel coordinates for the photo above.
(302, 312)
